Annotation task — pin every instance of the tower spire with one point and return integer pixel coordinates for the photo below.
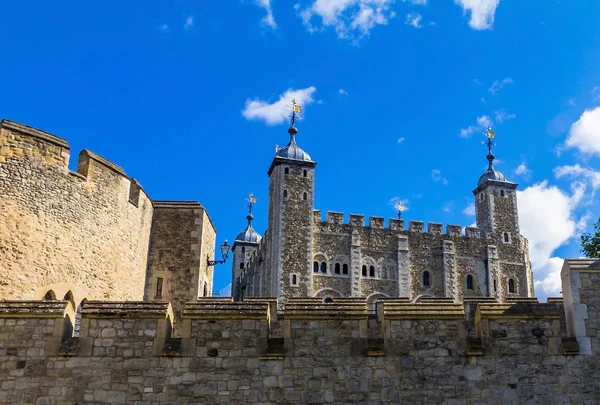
(490, 135)
(296, 110)
(251, 201)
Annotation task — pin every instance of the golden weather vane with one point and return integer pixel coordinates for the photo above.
(400, 208)
(251, 201)
(490, 135)
(296, 109)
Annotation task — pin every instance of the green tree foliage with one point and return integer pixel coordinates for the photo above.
(590, 242)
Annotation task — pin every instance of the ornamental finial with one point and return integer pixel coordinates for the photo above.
(490, 135)
(400, 209)
(251, 201)
(296, 111)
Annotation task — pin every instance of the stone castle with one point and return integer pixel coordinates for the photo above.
(106, 298)
(93, 233)
(302, 256)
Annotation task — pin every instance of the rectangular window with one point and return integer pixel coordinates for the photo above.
(159, 287)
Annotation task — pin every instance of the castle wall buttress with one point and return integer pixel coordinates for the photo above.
(182, 239)
(90, 228)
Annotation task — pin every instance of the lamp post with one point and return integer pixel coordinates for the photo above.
(224, 254)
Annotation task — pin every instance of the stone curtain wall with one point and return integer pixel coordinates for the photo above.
(239, 353)
(448, 269)
(89, 228)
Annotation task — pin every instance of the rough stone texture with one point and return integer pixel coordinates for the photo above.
(182, 240)
(86, 234)
(57, 226)
(400, 256)
(329, 353)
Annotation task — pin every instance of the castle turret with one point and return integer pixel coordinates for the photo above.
(497, 217)
(290, 234)
(245, 243)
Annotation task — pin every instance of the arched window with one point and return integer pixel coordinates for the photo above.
(242, 266)
(511, 286)
(506, 237)
(364, 270)
(305, 196)
(345, 269)
(469, 282)
(501, 193)
(495, 288)
(337, 268)
(284, 193)
(372, 271)
(304, 173)
(323, 267)
(294, 279)
(49, 296)
(287, 170)
(243, 249)
(328, 300)
(315, 267)
(205, 289)
(426, 281)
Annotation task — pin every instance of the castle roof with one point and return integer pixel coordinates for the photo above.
(292, 150)
(490, 173)
(248, 234)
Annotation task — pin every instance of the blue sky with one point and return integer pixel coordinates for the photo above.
(187, 97)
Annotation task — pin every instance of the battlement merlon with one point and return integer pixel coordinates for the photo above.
(183, 205)
(394, 224)
(18, 140)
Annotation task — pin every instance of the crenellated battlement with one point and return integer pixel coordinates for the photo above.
(18, 141)
(432, 350)
(394, 224)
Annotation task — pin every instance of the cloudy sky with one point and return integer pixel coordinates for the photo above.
(189, 97)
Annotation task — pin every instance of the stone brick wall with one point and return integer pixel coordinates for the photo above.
(448, 257)
(239, 353)
(88, 229)
(181, 241)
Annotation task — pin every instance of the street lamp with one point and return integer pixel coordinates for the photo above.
(224, 253)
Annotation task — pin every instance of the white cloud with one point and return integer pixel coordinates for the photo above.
(276, 112)
(497, 85)
(164, 28)
(400, 140)
(502, 115)
(482, 122)
(342, 92)
(348, 17)
(585, 132)
(417, 2)
(482, 12)
(189, 23)
(476, 81)
(571, 102)
(448, 207)
(548, 277)
(267, 20)
(578, 172)
(547, 219)
(469, 210)
(522, 170)
(226, 292)
(436, 176)
(414, 19)
(596, 93)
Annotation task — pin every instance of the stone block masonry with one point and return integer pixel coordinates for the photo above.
(95, 233)
(309, 352)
